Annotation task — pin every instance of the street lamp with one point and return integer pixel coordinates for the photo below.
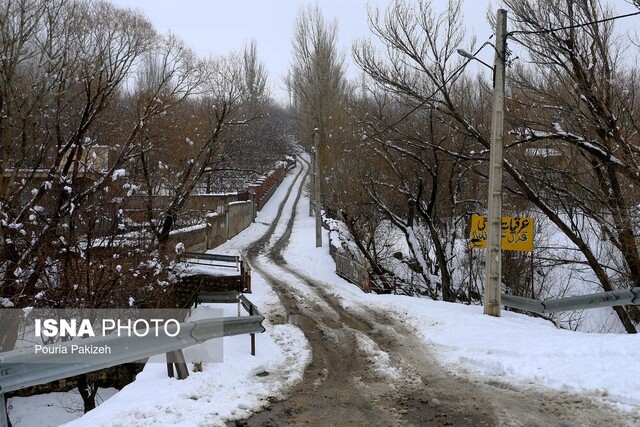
(493, 271)
(469, 55)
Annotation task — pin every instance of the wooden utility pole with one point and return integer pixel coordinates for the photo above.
(493, 273)
(316, 149)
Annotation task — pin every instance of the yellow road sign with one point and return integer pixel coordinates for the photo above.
(517, 233)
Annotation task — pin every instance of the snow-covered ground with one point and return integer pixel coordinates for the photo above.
(514, 348)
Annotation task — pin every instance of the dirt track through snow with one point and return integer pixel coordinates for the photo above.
(370, 369)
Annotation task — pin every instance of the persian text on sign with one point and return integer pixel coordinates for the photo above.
(517, 233)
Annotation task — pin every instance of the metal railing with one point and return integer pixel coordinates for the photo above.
(232, 297)
(353, 271)
(213, 260)
(23, 368)
(224, 261)
(582, 302)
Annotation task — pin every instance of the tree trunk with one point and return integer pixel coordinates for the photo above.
(88, 392)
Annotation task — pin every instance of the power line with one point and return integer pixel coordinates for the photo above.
(428, 98)
(459, 69)
(569, 27)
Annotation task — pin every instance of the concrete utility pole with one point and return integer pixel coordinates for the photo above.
(316, 149)
(312, 184)
(493, 273)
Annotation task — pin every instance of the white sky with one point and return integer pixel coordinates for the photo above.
(219, 26)
(216, 27)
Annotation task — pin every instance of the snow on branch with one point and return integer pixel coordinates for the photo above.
(592, 147)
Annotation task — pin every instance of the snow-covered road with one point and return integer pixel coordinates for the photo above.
(370, 368)
(375, 359)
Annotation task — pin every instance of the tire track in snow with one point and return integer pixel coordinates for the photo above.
(341, 386)
(369, 369)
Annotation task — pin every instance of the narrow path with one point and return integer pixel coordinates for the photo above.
(345, 384)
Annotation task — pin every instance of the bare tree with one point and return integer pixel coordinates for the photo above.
(317, 83)
(420, 73)
(584, 95)
(74, 60)
(254, 81)
(571, 93)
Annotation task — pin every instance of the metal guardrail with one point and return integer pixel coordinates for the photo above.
(23, 368)
(582, 302)
(249, 306)
(231, 297)
(213, 257)
(218, 297)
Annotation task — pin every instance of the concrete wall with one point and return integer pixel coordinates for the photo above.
(219, 228)
(193, 238)
(197, 205)
(216, 229)
(240, 216)
(205, 203)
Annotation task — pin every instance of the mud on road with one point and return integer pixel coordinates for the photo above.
(369, 369)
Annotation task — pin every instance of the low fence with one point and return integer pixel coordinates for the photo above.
(352, 270)
(229, 274)
(225, 261)
(359, 273)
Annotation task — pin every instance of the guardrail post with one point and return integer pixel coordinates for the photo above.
(181, 365)
(245, 275)
(4, 418)
(176, 358)
(253, 336)
(253, 344)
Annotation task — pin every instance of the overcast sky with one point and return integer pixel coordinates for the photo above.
(219, 26)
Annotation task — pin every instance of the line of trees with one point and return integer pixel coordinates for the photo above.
(417, 136)
(106, 128)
